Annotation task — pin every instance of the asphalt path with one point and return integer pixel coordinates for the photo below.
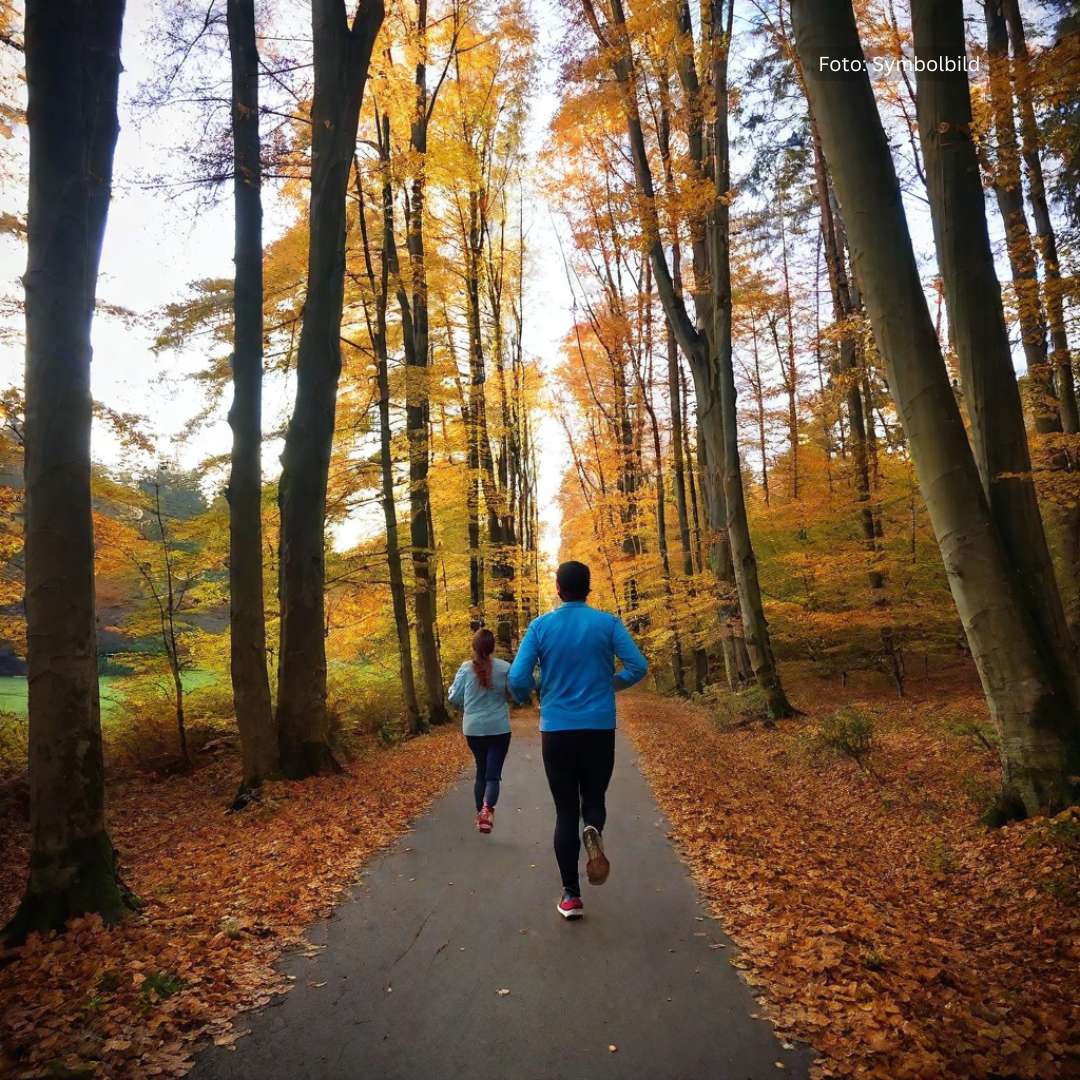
(449, 960)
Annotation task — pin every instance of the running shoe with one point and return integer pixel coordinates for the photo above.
(485, 820)
(570, 906)
(598, 867)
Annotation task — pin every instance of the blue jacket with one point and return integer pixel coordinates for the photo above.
(486, 710)
(576, 646)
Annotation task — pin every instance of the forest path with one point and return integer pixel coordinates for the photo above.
(407, 985)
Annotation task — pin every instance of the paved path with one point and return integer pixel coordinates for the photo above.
(447, 917)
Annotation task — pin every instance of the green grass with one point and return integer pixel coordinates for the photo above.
(13, 691)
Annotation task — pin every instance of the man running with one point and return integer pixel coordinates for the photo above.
(576, 647)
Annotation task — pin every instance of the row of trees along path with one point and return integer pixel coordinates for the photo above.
(670, 95)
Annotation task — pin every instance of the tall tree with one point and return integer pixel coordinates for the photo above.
(377, 329)
(1004, 170)
(977, 320)
(342, 55)
(755, 628)
(1039, 733)
(72, 71)
(709, 362)
(1045, 234)
(247, 618)
(414, 315)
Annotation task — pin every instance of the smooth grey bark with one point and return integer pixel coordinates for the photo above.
(977, 321)
(342, 54)
(755, 628)
(1035, 718)
(247, 617)
(72, 74)
(846, 306)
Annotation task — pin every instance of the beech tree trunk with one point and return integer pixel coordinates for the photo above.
(977, 321)
(1046, 238)
(247, 619)
(1008, 189)
(72, 74)
(417, 402)
(342, 55)
(755, 628)
(1033, 713)
(381, 291)
(702, 351)
(845, 307)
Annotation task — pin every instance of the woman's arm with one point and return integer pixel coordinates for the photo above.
(456, 696)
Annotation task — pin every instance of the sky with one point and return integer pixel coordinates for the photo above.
(157, 241)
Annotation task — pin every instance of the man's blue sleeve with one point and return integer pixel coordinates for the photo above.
(634, 665)
(520, 676)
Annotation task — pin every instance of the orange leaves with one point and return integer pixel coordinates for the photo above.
(223, 894)
(888, 928)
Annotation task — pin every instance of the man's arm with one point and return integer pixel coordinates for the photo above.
(634, 665)
(520, 676)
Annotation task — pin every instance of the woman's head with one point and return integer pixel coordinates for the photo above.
(483, 646)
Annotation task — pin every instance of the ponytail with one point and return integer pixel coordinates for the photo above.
(483, 646)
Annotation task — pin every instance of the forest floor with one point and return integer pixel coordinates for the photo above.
(224, 895)
(877, 919)
(883, 924)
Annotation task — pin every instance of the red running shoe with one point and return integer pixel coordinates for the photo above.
(570, 907)
(485, 820)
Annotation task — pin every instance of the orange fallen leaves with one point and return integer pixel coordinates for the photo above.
(888, 929)
(224, 895)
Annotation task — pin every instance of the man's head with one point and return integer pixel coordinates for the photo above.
(573, 581)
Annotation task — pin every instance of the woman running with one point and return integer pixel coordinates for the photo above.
(480, 690)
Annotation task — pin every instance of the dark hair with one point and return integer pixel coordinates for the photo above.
(574, 580)
(483, 645)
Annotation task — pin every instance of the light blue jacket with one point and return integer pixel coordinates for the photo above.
(487, 711)
(576, 647)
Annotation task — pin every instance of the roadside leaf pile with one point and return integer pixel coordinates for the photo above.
(223, 895)
(882, 923)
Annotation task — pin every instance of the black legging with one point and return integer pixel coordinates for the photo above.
(578, 766)
(490, 753)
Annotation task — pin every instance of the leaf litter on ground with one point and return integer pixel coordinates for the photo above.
(224, 895)
(886, 926)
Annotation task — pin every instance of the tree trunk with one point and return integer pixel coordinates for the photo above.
(1034, 716)
(845, 308)
(342, 55)
(72, 71)
(755, 628)
(1008, 189)
(417, 405)
(247, 620)
(1046, 238)
(381, 290)
(977, 321)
